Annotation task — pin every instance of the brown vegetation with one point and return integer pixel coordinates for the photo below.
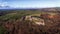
(27, 27)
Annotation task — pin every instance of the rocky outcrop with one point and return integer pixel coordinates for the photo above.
(36, 20)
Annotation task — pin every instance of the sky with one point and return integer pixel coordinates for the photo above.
(30, 3)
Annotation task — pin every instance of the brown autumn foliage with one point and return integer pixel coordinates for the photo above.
(27, 27)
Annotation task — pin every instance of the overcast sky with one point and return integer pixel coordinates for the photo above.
(30, 3)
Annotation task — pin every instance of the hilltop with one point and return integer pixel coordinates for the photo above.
(30, 21)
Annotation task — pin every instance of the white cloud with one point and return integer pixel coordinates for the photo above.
(3, 3)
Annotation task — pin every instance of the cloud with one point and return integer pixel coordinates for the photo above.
(3, 3)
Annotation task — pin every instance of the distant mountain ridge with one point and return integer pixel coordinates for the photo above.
(37, 9)
(51, 9)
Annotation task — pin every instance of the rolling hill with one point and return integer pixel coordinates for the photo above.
(30, 21)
